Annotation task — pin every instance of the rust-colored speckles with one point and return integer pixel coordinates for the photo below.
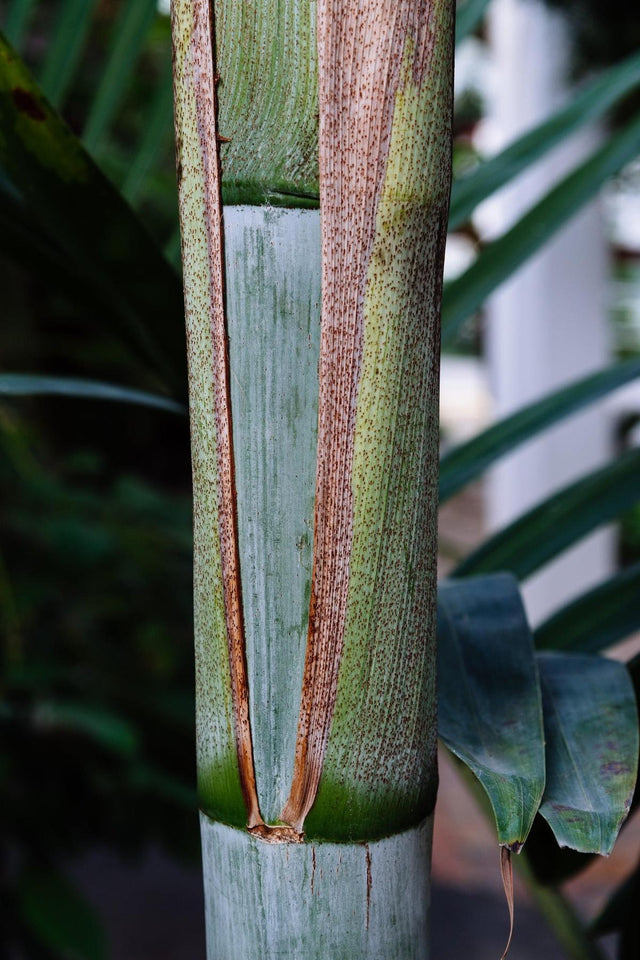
(383, 241)
(212, 450)
(26, 103)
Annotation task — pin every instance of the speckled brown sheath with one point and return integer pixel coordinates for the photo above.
(203, 86)
(362, 45)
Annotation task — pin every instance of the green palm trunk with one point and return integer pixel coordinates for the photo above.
(315, 495)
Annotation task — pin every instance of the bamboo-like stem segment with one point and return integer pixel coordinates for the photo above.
(324, 901)
(202, 257)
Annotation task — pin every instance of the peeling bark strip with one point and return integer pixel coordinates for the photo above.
(368, 698)
(506, 870)
(217, 569)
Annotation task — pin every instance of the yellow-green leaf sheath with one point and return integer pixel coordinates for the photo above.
(368, 728)
(221, 700)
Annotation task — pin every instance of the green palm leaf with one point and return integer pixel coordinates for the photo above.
(467, 461)
(597, 619)
(82, 214)
(560, 521)
(33, 384)
(500, 259)
(591, 728)
(17, 21)
(156, 135)
(587, 105)
(489, 707)
(66, 48)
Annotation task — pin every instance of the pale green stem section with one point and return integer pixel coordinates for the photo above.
(273, 318)
(268, 96)
(316, 901)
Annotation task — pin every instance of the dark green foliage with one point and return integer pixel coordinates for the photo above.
(96, 707)
(58, 917)
(493, 694)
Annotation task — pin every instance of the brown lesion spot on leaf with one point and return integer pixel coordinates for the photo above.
(26, 103)
(614, 768)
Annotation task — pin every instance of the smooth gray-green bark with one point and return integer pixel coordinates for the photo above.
(273, 319)
(316, 901)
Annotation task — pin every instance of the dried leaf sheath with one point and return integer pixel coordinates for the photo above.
(225, 760)
(366, 735)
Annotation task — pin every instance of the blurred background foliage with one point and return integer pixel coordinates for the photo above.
(96, 684)
(96, 688)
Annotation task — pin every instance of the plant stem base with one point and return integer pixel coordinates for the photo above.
(316, 901)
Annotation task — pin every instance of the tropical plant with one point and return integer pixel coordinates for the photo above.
(51, 190)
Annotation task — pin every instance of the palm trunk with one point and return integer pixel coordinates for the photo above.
(315, 506)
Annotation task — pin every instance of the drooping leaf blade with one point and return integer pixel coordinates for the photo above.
(584, 107)
(83, 215)
(591, 729)
(129, 34)
(501, 258)
(597, 619)
(468, 460)
(59, 916)
(490, 713)
(34, 384)
(552, 865)
(66, 48)
(560, 521)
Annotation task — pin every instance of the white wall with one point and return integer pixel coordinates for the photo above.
(548, 325)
